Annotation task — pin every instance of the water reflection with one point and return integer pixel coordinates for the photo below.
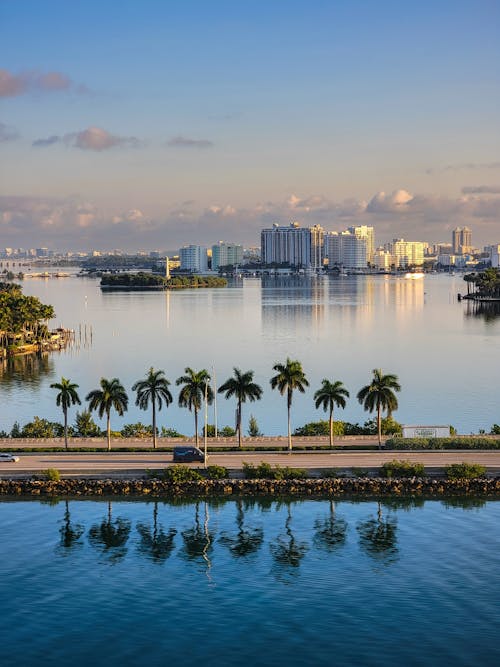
(27, 369)
(246, 541)
(487, 311)
(198, 540)
(155, 544)
(110, 536)
(287, 551)
(70, 533)
(378, 538)
(330, 532)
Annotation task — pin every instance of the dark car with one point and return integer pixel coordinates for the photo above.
(188, 454)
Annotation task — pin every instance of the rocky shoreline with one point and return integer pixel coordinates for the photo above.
(350, 487)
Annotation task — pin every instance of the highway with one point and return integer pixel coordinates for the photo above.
(136, 463)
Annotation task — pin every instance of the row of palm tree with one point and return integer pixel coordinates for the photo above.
(195, 391)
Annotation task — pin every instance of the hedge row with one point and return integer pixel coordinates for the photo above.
(442, 443)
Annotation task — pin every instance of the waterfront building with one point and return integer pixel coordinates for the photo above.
(226, 254)
(494, 255)
(461, 240)
(193, 258)
(365, 232)
(301, 247)
(406, 253)
(346, 250)
(382, 259)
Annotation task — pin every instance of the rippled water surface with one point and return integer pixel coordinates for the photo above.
(444, 352)
(250, 583)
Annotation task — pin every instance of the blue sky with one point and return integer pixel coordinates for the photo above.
(153, 124)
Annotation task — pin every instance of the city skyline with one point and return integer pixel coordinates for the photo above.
(173, 123)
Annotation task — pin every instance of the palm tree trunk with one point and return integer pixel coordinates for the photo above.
(331, 427)
(379, 427)
(154, 424)
(65, 429)
(196, 425)
(108, 431)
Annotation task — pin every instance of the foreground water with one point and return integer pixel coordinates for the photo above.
(444, 352)
(250, 583)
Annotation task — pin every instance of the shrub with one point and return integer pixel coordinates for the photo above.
(224, 432)
(359, 472)
(217, 472)
(471, 442)
(465, 471)
(42, 428)
(495, 429)
(265, 471)
(180, 473)
(402, 469)
(137, 430)
(170, 433)
(321, 427)
(330, 473)
(52, 474)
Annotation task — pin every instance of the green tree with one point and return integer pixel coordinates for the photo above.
(154, 389)
(66, 397)
(85, 426)
(242, 387)
(330, 394)
(112, 394)
(379, 395)
(253, 427)
(289, 377)
(195, 384)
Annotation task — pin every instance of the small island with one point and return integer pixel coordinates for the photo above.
(486, 285)
(24, 324)
(154, 281)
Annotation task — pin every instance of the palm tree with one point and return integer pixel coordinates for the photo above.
(379, 395)
(153, 389)
(330, 394)
(290, 376)
(242, 387)
(112, 394)
(66, 397)
(191, 395)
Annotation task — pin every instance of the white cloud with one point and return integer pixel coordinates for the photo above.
(13, 85)
(188, 142)
(90, 139)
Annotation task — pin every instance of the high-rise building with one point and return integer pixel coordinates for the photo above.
(406, 253)
(367, 233)
(226, 254)
(300, 247)
(461, 240)
(193, 258)
(346, 250)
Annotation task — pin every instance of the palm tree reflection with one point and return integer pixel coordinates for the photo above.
(110, 536)
(70, 534)
(287, 551)
(247, 540)
(198, 541)
(377, 537)
(330, 532)
(155, 544)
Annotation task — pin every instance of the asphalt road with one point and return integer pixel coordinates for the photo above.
(82, 463)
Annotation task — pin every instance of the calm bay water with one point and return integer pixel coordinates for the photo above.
(247, 583)
(445, 356)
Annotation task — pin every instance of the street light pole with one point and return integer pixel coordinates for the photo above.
(215, 401)
(205, 458)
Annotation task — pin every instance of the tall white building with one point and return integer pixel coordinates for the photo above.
(301, 247)
(406, 253)
(365, 232)
(494, 253)
(346, 249)
(225, 254)
(193, 258)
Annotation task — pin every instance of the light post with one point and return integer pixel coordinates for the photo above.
(215, 401)
(205, 458)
